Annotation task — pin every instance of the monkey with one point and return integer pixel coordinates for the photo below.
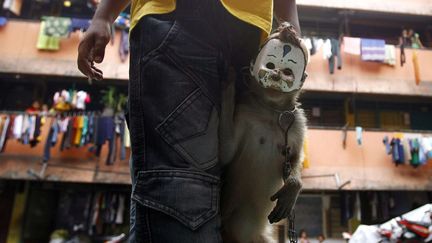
(254, 153)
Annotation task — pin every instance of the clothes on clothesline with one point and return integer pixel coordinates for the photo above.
(122, 21)
(352, 45)
(57, 26)
(416, 151)
(69, 131)
(416, 66)
(335, 56)
(373, 50)
(124, 45)
(66, 100)
(13, 5)
(45, 42)
(4, 131)
(25, 128)
(390, 55)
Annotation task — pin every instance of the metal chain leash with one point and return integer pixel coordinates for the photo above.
(286, 120)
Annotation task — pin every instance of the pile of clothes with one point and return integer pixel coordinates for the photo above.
(415, 150)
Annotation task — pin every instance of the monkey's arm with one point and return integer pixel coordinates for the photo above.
(287, 196)
(286, 10)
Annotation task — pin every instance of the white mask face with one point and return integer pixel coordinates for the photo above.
(280, 66)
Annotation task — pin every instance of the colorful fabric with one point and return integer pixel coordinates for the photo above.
(373, 50)
(416, 66)
(57, 26)
(48, 43)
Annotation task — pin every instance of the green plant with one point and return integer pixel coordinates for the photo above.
(113, 99)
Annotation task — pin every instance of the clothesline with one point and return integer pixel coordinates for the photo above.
(69, 131)
(51, 114)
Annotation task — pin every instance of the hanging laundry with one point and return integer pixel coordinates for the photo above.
(309, 45)
(352, 45)
(335, 56)
(373, 50)
(397, 151)
(18, 127)
(359, 135)
(407, 151)
(36, 135)
(4, 128)
(78, 126)
(122, 21)
(124, 45)
(79, 24)
(416, 42)
(387, 144)
(47, 43)
(414, 148)
(121, 134)
(3, 21)
(427, 144)
(422, 153)
(390, 55)
(316, 45)
(127, 136)
(416, 66)
(13, 5)
(327, 49)
(57, 26)
(81, 98)
(51, 139)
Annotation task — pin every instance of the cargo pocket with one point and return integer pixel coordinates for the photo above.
(192, 130)
(191, 198)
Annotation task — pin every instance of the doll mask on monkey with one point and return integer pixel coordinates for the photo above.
(281, 62)
(263, 133)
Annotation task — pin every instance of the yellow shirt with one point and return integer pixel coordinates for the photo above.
(255, 12)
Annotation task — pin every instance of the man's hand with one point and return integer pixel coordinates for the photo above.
(286, 198)
(92, 48)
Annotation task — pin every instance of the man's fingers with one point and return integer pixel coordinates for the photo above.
(99, 48)
(97, 73)
(84, 60)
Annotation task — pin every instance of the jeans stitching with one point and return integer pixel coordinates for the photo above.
(213, 183)
(148, 225)
(196, 79)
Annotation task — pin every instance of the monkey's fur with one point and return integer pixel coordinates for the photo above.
(252, 153)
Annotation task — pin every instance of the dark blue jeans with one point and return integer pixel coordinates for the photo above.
(178, 61)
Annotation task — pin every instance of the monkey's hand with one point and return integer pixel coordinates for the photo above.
(286, 198)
